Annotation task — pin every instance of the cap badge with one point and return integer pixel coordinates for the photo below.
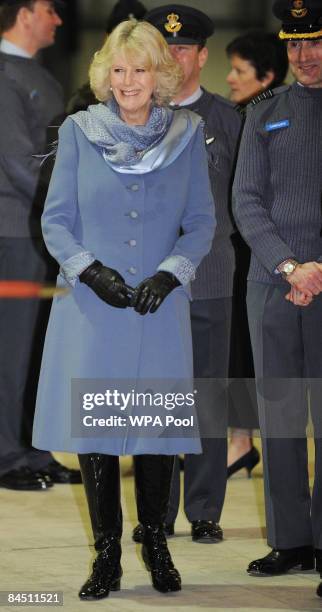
(298, 9)
(173, 26)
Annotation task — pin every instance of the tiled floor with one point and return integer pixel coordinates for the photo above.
(44, 545)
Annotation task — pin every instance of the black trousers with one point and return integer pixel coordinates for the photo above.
(22, 329)
(205, 475)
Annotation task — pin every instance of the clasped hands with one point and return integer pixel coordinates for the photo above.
(110, 287)
(306, 282)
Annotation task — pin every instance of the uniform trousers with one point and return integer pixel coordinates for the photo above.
(205, 475)
(287, 349)
(22, 329)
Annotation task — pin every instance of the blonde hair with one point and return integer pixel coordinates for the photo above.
(141, 43)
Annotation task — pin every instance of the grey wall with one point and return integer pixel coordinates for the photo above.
(95, 11)
(231, 17)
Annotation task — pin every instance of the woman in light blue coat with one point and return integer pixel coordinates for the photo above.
(129, 216)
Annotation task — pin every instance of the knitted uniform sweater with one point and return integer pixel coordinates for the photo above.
(277, 189)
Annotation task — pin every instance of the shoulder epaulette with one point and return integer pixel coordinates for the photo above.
(268, 94)
(265, 95)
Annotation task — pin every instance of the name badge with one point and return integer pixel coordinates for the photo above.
(278, 125)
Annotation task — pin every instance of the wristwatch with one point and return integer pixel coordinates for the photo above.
(287, 267)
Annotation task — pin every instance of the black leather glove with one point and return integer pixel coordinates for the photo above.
(149, 294)
(108, 284)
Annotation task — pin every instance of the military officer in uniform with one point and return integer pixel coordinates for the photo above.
(186, 30)
(277, 203)
(30, 101)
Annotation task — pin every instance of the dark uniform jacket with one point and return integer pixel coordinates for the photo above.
(216, 272)
(30, 100)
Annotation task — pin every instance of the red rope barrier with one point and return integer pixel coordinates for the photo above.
(28, 289)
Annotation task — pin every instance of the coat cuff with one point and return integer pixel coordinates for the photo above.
(74, 266)
(181, 267)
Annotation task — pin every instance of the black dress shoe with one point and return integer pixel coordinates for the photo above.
(157, 559)
(106, 574)
(24, 479)
(206, 532)
(248, 461)
(61, 474)
(319, 590)
(138, 531)
(48, 480)
(281, 561)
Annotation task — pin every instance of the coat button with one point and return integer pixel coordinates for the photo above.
(134, 214)
(135, 187)
(132, 243)
(132, 270)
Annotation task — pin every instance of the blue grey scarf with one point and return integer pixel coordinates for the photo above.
(123, 144)
(163, 145)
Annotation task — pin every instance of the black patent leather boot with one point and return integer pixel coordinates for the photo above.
(101, 477)
(106, 573)
(153, 480)
(157, 559)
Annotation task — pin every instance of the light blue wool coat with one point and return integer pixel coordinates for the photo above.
(136, 224)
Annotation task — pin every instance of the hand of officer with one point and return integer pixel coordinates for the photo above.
(107, 283)
(149, 295)
(307, 278)
(297, 298)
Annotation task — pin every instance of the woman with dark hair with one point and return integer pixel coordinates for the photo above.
(258, 64)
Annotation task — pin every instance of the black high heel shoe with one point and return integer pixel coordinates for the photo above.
(157, 559)
(248, 460)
